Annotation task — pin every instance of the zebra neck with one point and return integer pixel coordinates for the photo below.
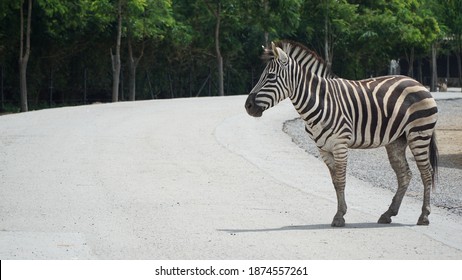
(311, 65)
(310, 93)
(310, 96)
(316, 106)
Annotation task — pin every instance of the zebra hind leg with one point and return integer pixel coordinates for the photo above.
(397, 156)
(426, 155)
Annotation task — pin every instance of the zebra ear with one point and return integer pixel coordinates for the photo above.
(279, 53)
(282, 55)
(273, 47)
(275, 51)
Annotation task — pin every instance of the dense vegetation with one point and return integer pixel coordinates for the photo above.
(59, 52)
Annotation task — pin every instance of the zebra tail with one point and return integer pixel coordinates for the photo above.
(434, 160)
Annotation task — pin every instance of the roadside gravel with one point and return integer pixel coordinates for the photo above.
(372, 165)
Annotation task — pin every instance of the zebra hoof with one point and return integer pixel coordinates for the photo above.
(423, 221)
(384, 219)
(338, 222)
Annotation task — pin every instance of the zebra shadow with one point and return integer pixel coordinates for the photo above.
(348, 226)
(450, 161)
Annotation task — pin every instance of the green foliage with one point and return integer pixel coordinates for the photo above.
(148, 18)
(70, 38)
(449, 14)
(277, 17)
(64, 16)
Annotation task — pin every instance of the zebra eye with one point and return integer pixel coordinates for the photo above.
(271, 76)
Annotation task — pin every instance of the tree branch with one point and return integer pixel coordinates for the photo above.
(21, 22)
(29, 19)
(213, 11)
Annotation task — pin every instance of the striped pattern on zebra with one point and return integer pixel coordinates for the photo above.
(392, 111)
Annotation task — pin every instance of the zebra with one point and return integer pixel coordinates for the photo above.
(392, 111)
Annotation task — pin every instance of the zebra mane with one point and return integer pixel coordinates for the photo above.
(298, 52)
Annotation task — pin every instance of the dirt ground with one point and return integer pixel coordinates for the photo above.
(450, 145)
(449, 134)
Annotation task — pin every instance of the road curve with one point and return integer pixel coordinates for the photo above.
(189, 179)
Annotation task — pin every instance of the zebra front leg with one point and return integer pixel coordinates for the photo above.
(336, 162)
(397, 155)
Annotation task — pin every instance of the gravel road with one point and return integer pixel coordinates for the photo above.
(372, 165)
(189, 179)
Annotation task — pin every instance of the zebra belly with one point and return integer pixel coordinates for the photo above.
(392, 122)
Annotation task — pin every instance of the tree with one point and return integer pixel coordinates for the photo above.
(137, 21)
(24, 53)
(115, 58)
(339, 20)
(418, 29)
(327, 25)
(208, 47)
(449, 13)
(267, 18)
(217, 13)
(377, 35)
(146, 20)
(72, 16)
(274, 18)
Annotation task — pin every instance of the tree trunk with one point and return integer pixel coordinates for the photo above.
(458, 56)
(459, 68)
(447, 67)
(24, 55)
(23, 84)
(328, 45)
(131, 72)
(85, 86)
(171, 86)
(121, 85)
(217, 14)
(116, 57)
(326, 34)
(459, 62)
(132, 65)
(221, 91)
(419, 70)
(131, 82)
(51, 87)
(410, 59)
(1, 89)
(266, 33)
(434, 69)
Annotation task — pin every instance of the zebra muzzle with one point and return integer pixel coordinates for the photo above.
(251, 106)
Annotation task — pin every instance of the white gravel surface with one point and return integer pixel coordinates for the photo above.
(189, 179)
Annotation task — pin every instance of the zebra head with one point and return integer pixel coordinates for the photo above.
(273, 85)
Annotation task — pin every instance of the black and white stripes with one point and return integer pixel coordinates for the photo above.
(341, 114)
